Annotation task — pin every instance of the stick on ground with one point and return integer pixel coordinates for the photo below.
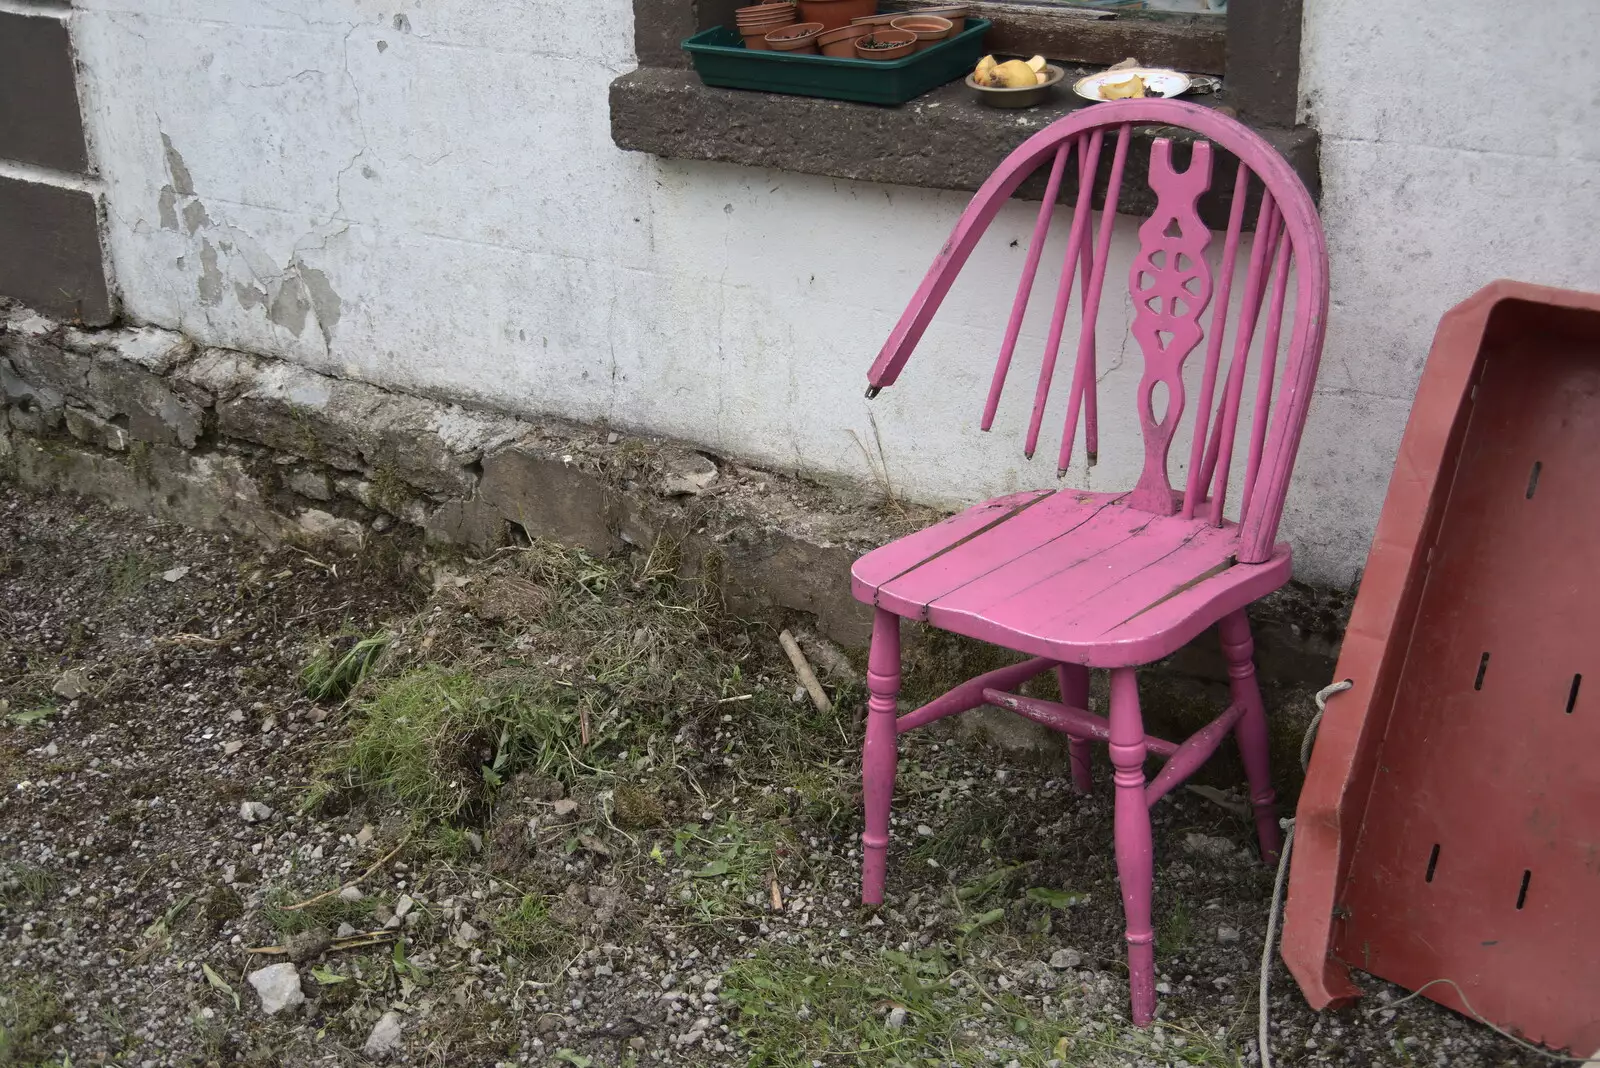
(802, 667)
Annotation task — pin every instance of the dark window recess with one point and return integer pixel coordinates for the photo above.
(39, 120)
(50, 258)
(662, 108)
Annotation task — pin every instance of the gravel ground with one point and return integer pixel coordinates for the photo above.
(661, 870)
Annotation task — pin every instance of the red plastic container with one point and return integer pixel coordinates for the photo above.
(1449, 828)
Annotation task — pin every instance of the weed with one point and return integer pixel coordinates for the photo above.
(530, 932)
(727, 869)
(329, 912)
(129, 573)
(792, 1008)
(29, 717)
(20, 883)
(339, 666)
(28, 1011)
(1175, 928)
(389, 490)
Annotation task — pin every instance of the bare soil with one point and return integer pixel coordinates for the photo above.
(633, 851)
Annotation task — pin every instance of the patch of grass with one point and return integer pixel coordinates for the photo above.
(1175, 927)
(793, 1008)
(330, 912)
(28, 1011)
(129, 573)
(339, 666)
(726, 870)
(22, 883)
(530, 932)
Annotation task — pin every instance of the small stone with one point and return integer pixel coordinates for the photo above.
(1227, 934)
(1163, 987)
(269, 724)
(51, 750)
(308, 945)
(1062, 959)
(689, 476)
(230, 748)
(72, 684)
(896, 1020)
(364, 836)
(381, 523)
(404, 905)
(1206, 845)
(351, 894)
(564, 807)
(466, 934)
(613, 437)
(345, 931)
(385, 1035)
(924, 830)
(278, 986)
(254, 811)
(175, 574)
(236, 716)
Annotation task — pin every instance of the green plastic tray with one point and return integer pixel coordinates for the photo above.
(720, 58)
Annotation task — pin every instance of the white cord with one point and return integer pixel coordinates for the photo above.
(1277, 905)
(1283, 871)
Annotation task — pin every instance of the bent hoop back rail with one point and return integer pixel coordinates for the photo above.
(1174, 282)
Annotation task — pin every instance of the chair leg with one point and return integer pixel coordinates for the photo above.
(1251, 730)
(879, 753)
(1135, 859)
(1074, 681)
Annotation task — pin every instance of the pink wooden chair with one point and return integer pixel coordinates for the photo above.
(1082, 580)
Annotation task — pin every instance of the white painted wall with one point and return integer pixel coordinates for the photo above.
(425, 195)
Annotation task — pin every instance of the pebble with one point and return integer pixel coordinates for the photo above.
(278, 986)
(351, 894)
(404, 905)
(175, 574)
(254, 811)
(364, 836)
(71, 684)
(897, 1019)
(1062, 959)
(467, 934)
(230, 748)
(346, 931)
(1227, 934)
(385, 1035)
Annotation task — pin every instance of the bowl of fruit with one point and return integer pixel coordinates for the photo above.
(1014, 83)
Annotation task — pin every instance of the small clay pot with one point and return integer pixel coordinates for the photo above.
(901, 44)
(956, 13)
(762, 11)
(755, 30)
(835, 13)
(799, 39)
(842, 42)
(878, 21)
(930, 29)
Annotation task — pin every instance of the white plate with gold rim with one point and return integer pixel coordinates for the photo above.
(1157, 82)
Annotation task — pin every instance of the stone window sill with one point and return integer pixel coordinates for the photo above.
(941, 140)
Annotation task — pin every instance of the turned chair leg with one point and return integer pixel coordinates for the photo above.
(1135, 854)
(1251, 730)
(879, 753)
(1074, 681)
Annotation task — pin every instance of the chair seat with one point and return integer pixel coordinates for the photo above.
(1075, 576)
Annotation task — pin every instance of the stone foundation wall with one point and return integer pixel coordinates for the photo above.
(217, 439)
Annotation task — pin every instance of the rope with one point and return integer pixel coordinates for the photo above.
(1277, 907)
(1283, 872)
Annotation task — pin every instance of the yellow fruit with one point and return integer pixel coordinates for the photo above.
(985, 66)
(1043, 76)
(1015, 74)
(1037, 63)
(1127, 88)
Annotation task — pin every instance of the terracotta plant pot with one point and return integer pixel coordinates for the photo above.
(901, 44)
(842, 42)
(799, 39)
(956, 13)
(930, 29)
(762, 20)
(835, 13)
(879, 22)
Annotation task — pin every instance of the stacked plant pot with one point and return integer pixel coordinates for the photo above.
(758, 20)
